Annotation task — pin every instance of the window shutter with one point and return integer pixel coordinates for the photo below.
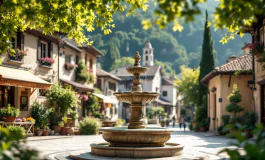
(21, 41)
(50, 50)
(39, 50)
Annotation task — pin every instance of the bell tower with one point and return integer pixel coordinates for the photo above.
(148, 54)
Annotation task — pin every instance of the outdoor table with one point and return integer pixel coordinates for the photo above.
(29, 126)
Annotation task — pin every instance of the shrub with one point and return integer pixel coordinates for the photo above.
(89, 126)
(200, 114)
(97, 115)
(204, 123)
(9, 111)
(183, 112)
(234, 98)
(220, 130)
(155, 111)
(120, 122)
(235, 119)
(12, 147)
(225, 119)
(253, 150)
(91, 104)
(191, 127)
(17, 131)
(40, 114)
(250, 119)
(233, 108)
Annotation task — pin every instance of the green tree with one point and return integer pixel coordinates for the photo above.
(167, 69)
(188, 84)
(234, 98)
(67, 16)
(207, 63)
(124, 61)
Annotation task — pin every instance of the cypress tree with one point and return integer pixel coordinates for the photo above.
(207, 63)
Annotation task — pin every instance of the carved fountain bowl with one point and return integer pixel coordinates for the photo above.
(136, 69)
(136, 97)
(124, 137)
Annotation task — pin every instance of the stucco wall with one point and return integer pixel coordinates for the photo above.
(171, 93)
(222, 91)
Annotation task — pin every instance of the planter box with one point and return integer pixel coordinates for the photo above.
(46, 66)
(9, 119)
(202, 129)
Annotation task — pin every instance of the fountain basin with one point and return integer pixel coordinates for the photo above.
(124, 137)
(169, 150)
(136, 69)
(136, 97)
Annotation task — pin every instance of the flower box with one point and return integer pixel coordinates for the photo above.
(47, 61)
(17, 55)
(69, 66)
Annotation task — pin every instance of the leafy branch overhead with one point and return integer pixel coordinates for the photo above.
(74, 17)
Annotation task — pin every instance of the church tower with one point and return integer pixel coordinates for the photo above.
(148, 54)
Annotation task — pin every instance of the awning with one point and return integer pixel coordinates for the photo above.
(106, 99)
(79, 87)
(163, 102)
(21, 78)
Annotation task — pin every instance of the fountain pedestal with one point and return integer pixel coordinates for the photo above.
(136, 141)
(136, 120)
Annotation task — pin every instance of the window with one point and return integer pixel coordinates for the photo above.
(146, 52)
(76, 59)
(164, 93)
(150, 51)
(43, 49)
(112, 86)
(14, 42)
(91, 63)
(43, 92)
(99, 84)
(146, 58)
(261, 38)
(67, 58)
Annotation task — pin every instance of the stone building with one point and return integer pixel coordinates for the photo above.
(25, 79)
(220, 81)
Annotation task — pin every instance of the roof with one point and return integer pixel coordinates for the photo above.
(163, 102)
(242, 64)
(122, 72)
(71, 43)
(79, 87)
(106, 99)
(148, 44)
(166, 81)
(21, 78)
(102, 73)
(245, 46)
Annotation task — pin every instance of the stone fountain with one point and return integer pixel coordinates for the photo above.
(136, 141)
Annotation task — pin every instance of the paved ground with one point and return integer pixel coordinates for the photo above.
(205, 143)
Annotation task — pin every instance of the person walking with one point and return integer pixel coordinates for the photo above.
(174, 121)
(184, 123)
(180, 121)
(167, 121)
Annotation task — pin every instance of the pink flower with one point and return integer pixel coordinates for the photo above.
(251, 46)
(85, 97)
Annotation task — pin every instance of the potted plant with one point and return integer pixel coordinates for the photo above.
(9, 113)
(17, 55)
(64, 129)
(47, 61)
(250, 119)
(51, 132)
(38, 131)
(46, 130)
(17, 131)
(30, 119)
(69, 66)
(204, 125)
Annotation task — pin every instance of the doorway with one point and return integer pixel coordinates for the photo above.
(262, 104)
(214, 113)
(7, 96)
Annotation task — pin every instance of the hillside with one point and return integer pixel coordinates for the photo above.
(173, 48)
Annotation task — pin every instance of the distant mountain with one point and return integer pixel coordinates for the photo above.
(174, 48)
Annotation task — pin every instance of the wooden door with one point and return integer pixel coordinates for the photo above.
(262, 104)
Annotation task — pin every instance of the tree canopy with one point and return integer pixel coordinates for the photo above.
(188, 84)
(74, 17)
(124, 61)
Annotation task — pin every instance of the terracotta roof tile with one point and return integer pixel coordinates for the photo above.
(166, 81)
(242, 63)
